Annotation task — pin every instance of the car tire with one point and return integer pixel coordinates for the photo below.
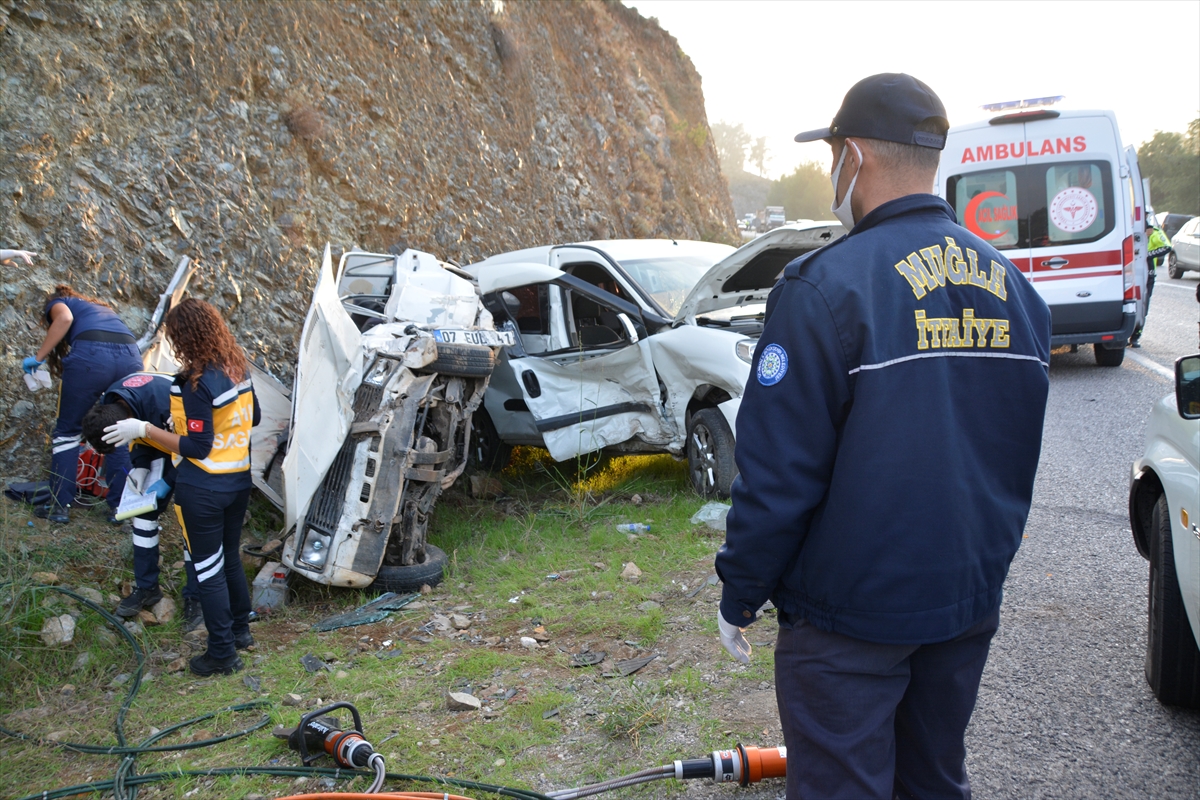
(463, 360)
(403, 579)
(1109, 358)
(1172, 657)
(488, 453)
(710, 453)
(1173, 268)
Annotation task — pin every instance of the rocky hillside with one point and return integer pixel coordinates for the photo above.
(246, 134)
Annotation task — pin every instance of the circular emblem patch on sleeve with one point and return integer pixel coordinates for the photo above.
(772, 365)
(134, 381)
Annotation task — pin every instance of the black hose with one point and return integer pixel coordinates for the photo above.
(124, 784)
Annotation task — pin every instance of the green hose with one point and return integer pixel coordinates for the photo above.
(124, 784)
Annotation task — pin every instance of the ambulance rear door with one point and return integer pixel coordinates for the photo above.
(1077, 212)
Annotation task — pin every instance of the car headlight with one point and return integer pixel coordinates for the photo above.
(315, 549)
(745, 350)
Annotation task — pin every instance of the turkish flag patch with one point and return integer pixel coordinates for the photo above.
(195, 426)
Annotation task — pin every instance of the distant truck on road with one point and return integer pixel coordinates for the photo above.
(773, 218)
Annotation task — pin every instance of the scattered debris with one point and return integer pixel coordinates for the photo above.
(461, 701)
(81, 661)
(631, 572)
(649, 605)
(529, 643)
(460, 622)
(440, 622)
(177, 665)
(374, 611)
(164, 611)
(712, 515)
(58, 630)
(292, 699)
(630, 666)
(539, 634)
(587, 659)
(313, 664)
(47, 578)
(711, 580)
(551, 713)
(252, 683)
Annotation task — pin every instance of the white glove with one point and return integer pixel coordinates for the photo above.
(25, 255)
(125, 431)
(733, 639)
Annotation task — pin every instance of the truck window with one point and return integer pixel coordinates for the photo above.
(1036, 205)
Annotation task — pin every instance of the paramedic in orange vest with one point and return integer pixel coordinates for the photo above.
(213, 408)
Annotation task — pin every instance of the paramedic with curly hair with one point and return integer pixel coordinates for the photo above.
(213, 408)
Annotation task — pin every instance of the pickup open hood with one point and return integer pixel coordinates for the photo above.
(746, 275)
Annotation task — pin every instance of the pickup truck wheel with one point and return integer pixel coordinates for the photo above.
(1173, 268)
(710, 453)
(488, 452)
(463, 360)
(401, 579)
(1109, 358)
(1172, 658)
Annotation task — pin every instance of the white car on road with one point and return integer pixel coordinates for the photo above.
(630, 346)
(1164, 514)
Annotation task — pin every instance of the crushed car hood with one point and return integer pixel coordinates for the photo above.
(746, 276)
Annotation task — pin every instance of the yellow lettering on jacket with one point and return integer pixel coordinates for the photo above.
(935, 333)
(933, 267)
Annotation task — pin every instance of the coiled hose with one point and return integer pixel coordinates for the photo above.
(124, 783)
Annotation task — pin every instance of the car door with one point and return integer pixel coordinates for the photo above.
(598, 387)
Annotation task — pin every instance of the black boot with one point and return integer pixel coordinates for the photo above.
(138, 599)
(204, 665)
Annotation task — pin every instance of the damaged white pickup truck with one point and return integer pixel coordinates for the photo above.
(394, 358)
(630, 346)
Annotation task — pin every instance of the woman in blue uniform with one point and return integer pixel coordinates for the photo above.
(89, 347)
(213, 408)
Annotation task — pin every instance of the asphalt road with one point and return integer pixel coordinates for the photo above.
(1064, 709)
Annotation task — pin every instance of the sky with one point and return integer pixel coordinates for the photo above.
(780, 67)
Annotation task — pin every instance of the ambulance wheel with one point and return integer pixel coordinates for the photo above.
(710, 453)
(1172, 658)
(464, 360)
(403, 579)
(1109, 358)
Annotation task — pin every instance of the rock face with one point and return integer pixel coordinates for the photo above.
(245, 134)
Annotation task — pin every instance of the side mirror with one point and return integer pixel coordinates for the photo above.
(1187, 386)
(627, 324)
(511, 303)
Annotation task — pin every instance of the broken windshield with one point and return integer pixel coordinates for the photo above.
(668, 280)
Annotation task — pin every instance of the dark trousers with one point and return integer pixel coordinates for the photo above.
(868, 720)
(146, 552)
(212, 531)
(88, 369)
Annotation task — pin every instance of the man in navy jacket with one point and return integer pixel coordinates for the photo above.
(889, 434)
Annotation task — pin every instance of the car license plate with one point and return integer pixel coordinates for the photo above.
(487, 338)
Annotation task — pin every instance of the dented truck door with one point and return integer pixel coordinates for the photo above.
(601, 388)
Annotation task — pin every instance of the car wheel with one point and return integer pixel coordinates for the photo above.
(488, 452)
(464, 360)
(410, 578)
(710, 453)
(1173, 268)
(1109, 358)
(1172, 658)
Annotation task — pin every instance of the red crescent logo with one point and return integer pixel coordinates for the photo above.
(135, 381)
(973, 211)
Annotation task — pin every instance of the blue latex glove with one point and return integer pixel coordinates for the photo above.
(160, 488)
(30, 364)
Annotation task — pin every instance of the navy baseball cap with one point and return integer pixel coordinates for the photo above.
(887, 106)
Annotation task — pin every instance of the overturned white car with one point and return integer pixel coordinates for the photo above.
(630, 346)
(394, 357)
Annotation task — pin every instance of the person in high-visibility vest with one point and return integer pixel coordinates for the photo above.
(1158, 247)
(213, 408)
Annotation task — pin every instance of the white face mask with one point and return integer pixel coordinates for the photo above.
(842, 212)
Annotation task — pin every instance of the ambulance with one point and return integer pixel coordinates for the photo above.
(1062, 198)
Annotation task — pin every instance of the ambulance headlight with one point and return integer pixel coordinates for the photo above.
(745, 350)
(315, 549)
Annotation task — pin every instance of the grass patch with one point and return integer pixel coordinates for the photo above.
(544, 555)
